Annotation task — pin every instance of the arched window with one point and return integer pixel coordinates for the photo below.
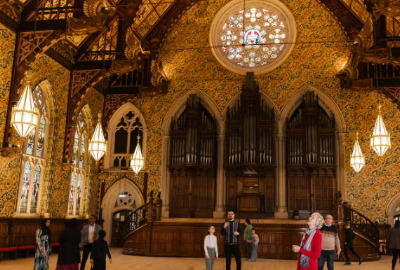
(79, 167)
(33, 160)
(126, 129)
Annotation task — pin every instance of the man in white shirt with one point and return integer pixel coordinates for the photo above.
(89, 233)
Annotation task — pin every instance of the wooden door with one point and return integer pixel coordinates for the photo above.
(120, 228)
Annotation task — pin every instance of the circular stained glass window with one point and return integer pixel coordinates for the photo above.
(253, 35)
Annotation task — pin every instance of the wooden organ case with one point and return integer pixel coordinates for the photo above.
(192, 162)
(310, 159)
(249, 155)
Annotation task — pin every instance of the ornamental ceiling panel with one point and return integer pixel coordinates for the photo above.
(149, 14)
(76, 40)
(358, 8)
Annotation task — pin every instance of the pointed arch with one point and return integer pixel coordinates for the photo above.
(392, 209)
(109, 205)
(332, 109)
(325, 101)
(112, 124)
(180, 105)
(175, 111)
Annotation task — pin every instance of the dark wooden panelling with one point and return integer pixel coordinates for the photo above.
(186, 240)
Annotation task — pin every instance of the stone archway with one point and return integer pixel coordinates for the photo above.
(393, 209)
(112, 203)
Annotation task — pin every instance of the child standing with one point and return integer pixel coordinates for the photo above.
(210, 248)
(254, 248)
(99, 252)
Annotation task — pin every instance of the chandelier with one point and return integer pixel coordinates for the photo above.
(137, 160)
(98, 144)
(380, 139)
(357, 159)
(25, 116)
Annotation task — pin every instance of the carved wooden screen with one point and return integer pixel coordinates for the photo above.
(250, 154)
(192, 165)
(310, 159)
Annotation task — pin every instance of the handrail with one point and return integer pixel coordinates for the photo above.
(361, 224)
(146, 213)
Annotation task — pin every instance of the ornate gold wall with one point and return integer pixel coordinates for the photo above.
(321, 50)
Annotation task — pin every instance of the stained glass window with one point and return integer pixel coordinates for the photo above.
(25, 187)
(79, 159)
(35, 188)
(256, 37)
(33, 159)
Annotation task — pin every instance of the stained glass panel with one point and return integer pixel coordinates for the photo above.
(78, 195)
(25, 188)
(40, 142)
(71, 194)
(35, 189)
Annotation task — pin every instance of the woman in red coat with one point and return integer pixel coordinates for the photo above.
(310, 247)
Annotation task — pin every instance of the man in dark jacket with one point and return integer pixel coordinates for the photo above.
(348, 245)
(89, 234)
(232, 231)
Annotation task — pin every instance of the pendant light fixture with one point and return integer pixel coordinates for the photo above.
(98, 144)
(137, 160)
(357, 159)
(24, 115)
(380, 139)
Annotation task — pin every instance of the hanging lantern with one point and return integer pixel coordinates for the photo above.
(98, 144)
(25, 116)
(137, 160)
(357, 159)
(380, 139)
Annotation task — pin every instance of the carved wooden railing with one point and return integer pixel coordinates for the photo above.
(361, 225)
(146, 213)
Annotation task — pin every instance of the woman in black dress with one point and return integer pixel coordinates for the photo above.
(68, 255)
(99, 252)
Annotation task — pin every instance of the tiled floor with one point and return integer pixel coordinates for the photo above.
(124, 262)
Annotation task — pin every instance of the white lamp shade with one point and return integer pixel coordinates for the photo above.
(98, 144)
(357, 159)
(137, 160)
(25, 116)
(380, 139)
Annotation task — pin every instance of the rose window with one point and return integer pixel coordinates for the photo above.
(257, 37)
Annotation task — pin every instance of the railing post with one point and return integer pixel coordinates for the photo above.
(158, 207)
(150, 211)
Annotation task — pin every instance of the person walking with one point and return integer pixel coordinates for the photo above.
(89, 233)
(99, 252)
(254, 247)
(247, 236)
(210, 248)
(330, 241)
(310, 247)
(43, 246)
(232, 231)
(393, 242)
(68, 254)
(348, 245)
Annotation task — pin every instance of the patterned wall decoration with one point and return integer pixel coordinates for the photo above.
(7, 41)
(321, 51)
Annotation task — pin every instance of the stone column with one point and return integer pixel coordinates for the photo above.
(165, 176)
(220, 200)
(281, 208)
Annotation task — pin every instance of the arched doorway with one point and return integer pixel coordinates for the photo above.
(122, 197)
(393, 210)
